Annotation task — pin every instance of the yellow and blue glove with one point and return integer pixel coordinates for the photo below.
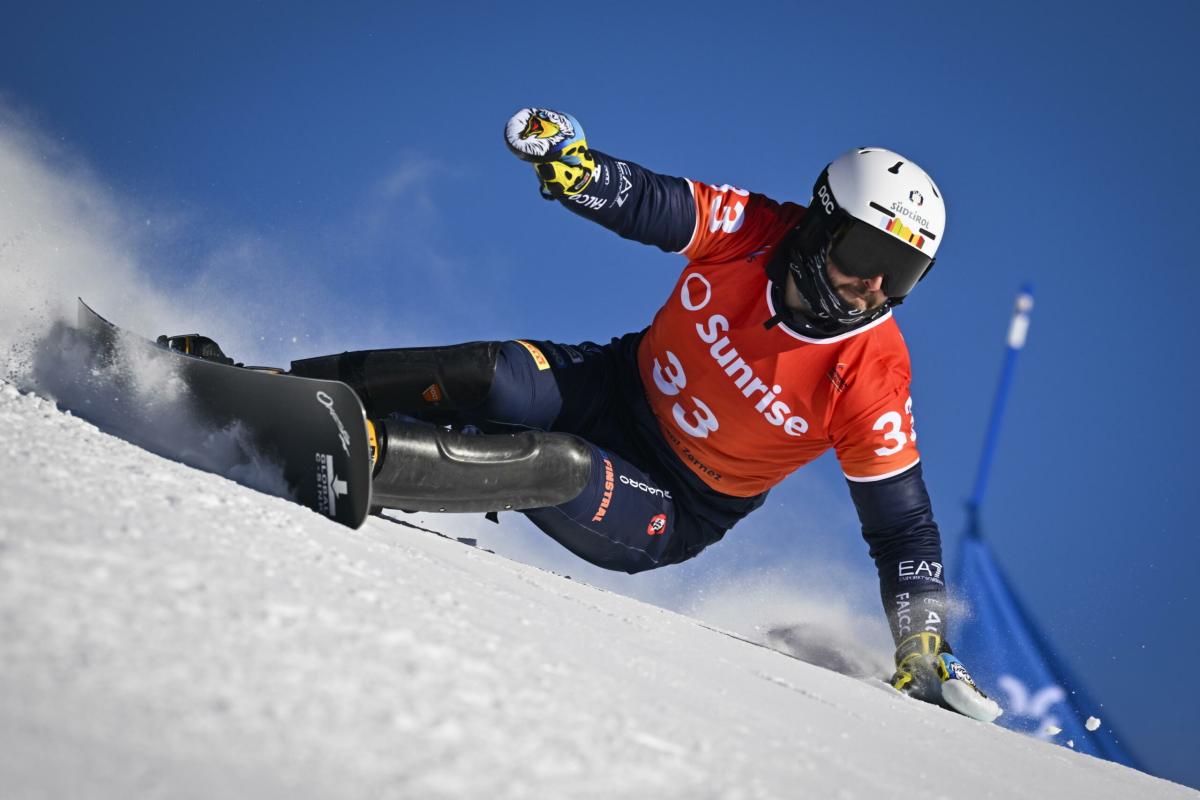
(554, 143)
(927, 670)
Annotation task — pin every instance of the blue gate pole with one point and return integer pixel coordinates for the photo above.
(1018, 329)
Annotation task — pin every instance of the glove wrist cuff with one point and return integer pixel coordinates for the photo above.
(921, 643)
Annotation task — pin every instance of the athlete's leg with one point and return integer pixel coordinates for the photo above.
(584, 490)
(622, 520)
(419, 381)
(595, 503)
(486, 383)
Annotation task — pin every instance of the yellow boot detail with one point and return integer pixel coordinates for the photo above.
(372, 445)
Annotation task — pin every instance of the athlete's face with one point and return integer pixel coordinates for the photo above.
(864, 294)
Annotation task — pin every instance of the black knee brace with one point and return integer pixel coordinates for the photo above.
(411, 380)
(428, 468)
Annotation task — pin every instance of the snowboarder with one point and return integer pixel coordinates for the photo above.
(777, 343)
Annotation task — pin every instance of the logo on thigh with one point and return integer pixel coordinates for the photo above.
(606, 498)
(657, 525)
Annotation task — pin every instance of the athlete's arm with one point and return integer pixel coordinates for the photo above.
(897, 524)
(714, 223)
(637, 204)
(628, 199)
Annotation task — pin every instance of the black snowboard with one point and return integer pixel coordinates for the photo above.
(313, 432)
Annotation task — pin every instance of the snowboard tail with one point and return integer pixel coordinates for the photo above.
(314, 431)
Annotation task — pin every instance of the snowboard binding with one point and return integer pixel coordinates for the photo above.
(193, 344)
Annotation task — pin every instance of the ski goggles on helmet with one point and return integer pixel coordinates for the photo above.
(863, 250)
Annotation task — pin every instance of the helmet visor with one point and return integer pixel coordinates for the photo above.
(864, 251)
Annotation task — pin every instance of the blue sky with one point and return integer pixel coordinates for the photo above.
(337, 174)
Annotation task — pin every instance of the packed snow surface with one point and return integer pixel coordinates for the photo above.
(168, 633)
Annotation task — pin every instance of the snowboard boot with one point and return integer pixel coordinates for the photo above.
(199, 346)
(193, 344)
(373, 447)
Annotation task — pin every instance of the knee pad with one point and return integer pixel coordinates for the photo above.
(428, 468)
(411, 380)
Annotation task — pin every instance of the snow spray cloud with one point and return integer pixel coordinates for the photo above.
(62, 236)
(792, 576)
(140, 397)
(826, 615)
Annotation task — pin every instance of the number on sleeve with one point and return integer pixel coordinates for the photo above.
(728, 218)
(892, 425)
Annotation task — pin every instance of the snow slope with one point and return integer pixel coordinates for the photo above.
(167, 633)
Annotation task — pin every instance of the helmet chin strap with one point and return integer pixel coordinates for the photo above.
(827, 313)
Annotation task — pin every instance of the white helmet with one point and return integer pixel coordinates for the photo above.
(879, 214)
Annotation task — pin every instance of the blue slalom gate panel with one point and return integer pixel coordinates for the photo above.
(1014, 663)
(1009, 658)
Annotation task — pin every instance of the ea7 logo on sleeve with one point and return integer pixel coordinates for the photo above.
(911, 570)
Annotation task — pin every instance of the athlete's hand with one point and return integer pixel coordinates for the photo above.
(553, 142)
(927, 669)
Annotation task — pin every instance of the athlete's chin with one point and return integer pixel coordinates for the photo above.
(861, 303)
(858, 305)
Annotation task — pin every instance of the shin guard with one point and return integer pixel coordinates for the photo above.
(428, 468)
